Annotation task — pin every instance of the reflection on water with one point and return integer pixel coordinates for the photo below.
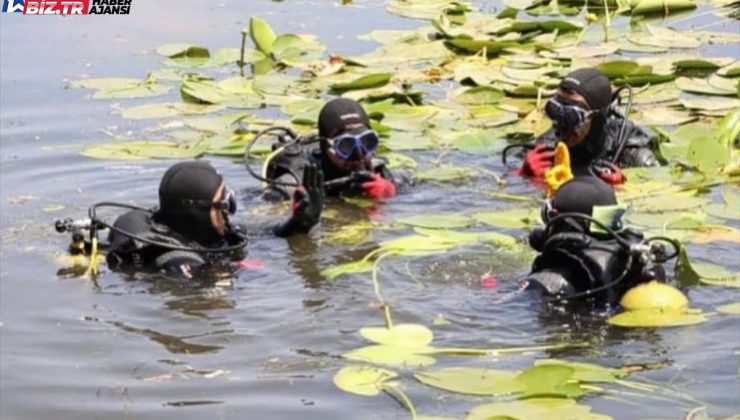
(266, 343)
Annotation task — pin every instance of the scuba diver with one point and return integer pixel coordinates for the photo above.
(343, 150)
(191, 228)
(584, 250)
(600, 140)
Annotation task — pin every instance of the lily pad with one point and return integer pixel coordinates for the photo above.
(472, 381)
(369, 81)
(363, 380)
(663, 7)
(170, 109)
(549, 380)
(389, 355)
(702, 86)
(437, 221)
(140, 150)
(647, 318)
(479, 95)
(348, 268)
(183, 50)
(535, 409)
(586, 372)
(401, 335)
(516, 218)
(730, 308)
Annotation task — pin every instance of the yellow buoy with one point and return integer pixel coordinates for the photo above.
(654, 295)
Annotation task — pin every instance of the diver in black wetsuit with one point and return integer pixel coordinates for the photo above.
(580, 258)
(191, 227)
(343, 149)
(599, 139)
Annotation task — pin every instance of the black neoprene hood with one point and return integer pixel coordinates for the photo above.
(592, 85)
(340, 113)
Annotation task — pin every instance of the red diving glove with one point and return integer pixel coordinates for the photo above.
(537, 161)
(611, 174)
(379, 187)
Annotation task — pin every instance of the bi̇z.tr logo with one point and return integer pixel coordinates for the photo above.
(67, 7)
(13, 6)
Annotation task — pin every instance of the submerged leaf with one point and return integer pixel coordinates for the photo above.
(479, 95)
(516, 218)
(362, 380)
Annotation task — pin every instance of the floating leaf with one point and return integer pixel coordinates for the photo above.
(730, 308)
(663, 37)
(646, 318)
(549, 380)
(401, 335)
(138, 150)
(664, 7)
(348, 268)
(480, 141)
(472, 381)
(586, 372)
(535, 409)
(389, 355)
(363, 380)
(183, 50)
(163, 110)
(437, 221)
(696, 85)
(713, 104)
(474, 45)
(663, 116)
(369, 81)
(516, 218)
(479, 95)
(619, 68)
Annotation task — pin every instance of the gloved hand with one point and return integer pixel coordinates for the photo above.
(538, 160)
(610, 173)
(378, 187)
(308, 199)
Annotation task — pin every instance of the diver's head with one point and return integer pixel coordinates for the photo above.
(579, 107)
(194, 202)
(579, 195)
(346, 137)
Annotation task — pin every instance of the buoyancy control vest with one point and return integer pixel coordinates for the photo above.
(577, 262)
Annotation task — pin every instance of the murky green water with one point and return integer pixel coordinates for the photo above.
(266, 346)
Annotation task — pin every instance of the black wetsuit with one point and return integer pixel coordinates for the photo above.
(125, 251)
(288, 167)
(602, 143)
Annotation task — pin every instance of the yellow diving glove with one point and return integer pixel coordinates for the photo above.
(560, 173)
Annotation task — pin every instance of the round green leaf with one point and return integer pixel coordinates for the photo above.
(362, 380)
(401, 335)
(516, 218)
(389, 355)
(479, 95)
(535, 409)
(646, 318)
(730, 308)
(437, 221)
(472, 381)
